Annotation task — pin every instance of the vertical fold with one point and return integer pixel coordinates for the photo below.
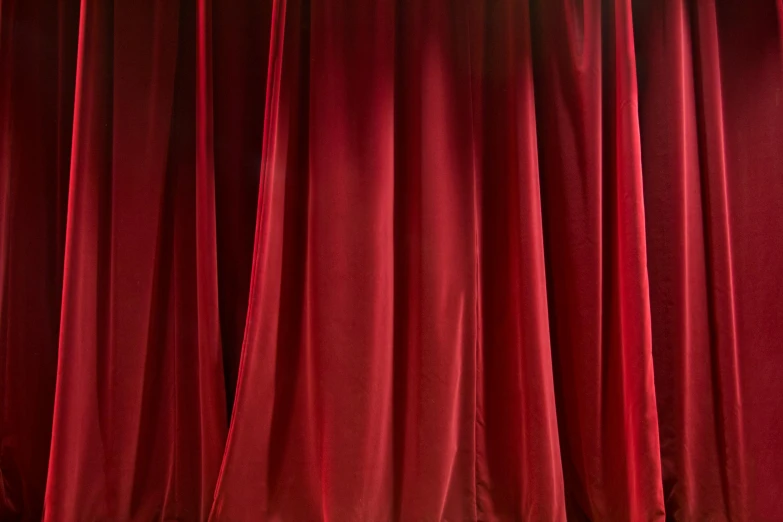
(520, 472)
(361, 333)
(436, 268)
(740, 119)
(681, 301)
(37, 67)
(239, 51)
(243, 485)
(725, 360)
(349, 274)
(596, 261)
(210, 372)
(318, 345)
(73, 452)
(139, 409)
(407, 253)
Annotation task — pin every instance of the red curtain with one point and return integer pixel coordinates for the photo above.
(434, 260)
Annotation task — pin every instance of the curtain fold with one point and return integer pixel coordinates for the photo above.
(594, 231)
(391, 260)
(711, 127)
(38, 46)
(139, 421)
(239, 50)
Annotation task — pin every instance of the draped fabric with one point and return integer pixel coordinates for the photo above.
(413, 260)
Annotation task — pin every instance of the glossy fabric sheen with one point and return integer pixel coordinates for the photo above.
(391, 260)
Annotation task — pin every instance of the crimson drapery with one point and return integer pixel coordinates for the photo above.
(458, 260)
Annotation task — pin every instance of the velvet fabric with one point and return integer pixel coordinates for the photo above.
(349, 260)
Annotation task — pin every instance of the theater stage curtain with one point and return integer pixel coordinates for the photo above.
(391, 260)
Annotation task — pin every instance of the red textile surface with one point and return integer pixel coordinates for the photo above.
(435, 260)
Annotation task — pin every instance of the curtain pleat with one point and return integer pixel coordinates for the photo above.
(37, 80)
(711, 127)
(391, 260)
(139, 422)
